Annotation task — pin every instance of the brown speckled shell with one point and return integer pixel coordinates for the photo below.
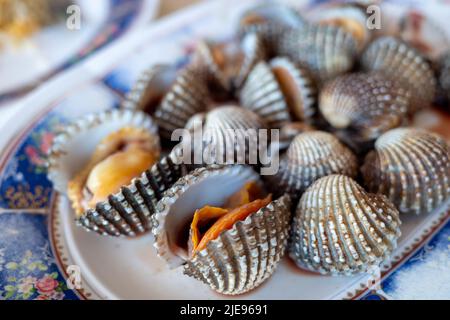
(402, 63)
(340, 229)
(364, 105)
(310, 156)
(411, 167)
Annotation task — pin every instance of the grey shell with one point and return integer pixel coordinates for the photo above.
(326, 51)
(229, 134)
(128, 213)
(263, 94)
(310, 156)
(340, 229)
(183, 94)
(241, 258)
(404, 64)
(253, 50)
(276, 20)
(411, 167)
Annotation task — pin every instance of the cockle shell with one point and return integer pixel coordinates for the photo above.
(350, 17)
(241, 258)
(279, 91)
(310, 156)
(171, 96)
(292, 129)
(339, 228)
(270, 21)
(400, 62)
(128, 211)
(325, 50)
(229, 64)
(411, 167)
(365, 105)
(73, 147)
(226, 134)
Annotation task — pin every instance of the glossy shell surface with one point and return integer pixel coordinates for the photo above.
(411, 167)
(340, 229)
(171, 96)
(310, 156)
(242, 257)
(279, 91)
(326, 51)
(400, 62)
(270, 21)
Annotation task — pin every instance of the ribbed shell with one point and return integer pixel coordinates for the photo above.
(182, 97)
(226, 132)
(128, 213)
(73, 147)
(252, 48)
(411, 167)
(404, 64)
(241, 258)
(365, 105)
(326, 51)
(342, 14)
(310, 156)
(339, 228)
(263, 93)
(273, 21)
(245, 256)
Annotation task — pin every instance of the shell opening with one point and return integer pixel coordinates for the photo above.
(209, 222)
(212, 191)
(120, 157)
(290, 90)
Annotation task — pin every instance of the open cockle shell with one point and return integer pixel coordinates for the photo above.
(129, 212)
(411, 167)
(270, 21)
(402, 63)
(171, 96)
(230, 63)
(73, 147)
(324, 50)
(339, 228)
(242, 257)
(310, 156)
(226, 134)
(364, 105)
(279, 91)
